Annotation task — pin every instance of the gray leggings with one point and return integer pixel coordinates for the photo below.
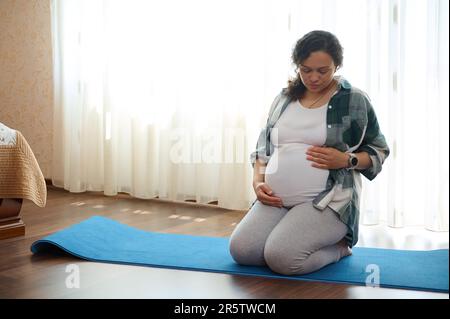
(290, 241)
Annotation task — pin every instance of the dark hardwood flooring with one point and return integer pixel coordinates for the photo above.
(24, 275)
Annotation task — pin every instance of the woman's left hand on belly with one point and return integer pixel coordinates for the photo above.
(326, 157)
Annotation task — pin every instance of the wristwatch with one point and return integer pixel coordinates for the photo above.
(352, 161)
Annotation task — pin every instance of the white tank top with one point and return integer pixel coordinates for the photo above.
(289, 173)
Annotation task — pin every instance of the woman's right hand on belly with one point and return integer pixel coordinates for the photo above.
(264, 194)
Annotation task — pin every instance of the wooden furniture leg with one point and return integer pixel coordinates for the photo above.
(11, 225)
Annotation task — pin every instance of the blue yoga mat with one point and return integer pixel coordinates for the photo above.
(105, 240)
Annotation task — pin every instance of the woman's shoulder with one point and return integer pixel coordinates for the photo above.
(354, 91)
(359, 93)
(359, 102)
(357, 96)
(281, 96)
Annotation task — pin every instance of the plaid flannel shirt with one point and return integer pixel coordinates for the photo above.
(352, 126)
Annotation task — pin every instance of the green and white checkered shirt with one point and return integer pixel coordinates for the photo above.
(352, 126)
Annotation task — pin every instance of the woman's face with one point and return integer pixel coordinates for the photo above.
(317, 71)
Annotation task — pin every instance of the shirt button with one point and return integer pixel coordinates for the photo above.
(329, 126)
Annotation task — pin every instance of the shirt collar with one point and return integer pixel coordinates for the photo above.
(343, 83)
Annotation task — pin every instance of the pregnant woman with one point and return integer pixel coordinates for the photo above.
(321, 134)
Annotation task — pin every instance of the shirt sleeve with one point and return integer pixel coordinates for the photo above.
(260, 150)
(374, 143)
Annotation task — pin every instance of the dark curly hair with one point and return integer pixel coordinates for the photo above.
(312, 42)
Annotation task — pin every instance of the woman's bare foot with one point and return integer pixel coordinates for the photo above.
(344, 248)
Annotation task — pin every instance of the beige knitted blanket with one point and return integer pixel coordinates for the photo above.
(20, 175)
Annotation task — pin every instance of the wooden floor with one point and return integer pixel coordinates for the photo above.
(24, 275)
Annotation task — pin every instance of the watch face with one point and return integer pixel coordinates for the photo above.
(354, 161)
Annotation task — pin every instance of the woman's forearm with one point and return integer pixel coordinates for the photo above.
(364, 160)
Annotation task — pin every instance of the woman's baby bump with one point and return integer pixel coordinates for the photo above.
(291, 176)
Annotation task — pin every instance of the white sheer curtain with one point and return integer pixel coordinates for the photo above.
(166, 98)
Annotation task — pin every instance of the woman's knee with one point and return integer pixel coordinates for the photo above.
(245, 252)
(235, 249)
